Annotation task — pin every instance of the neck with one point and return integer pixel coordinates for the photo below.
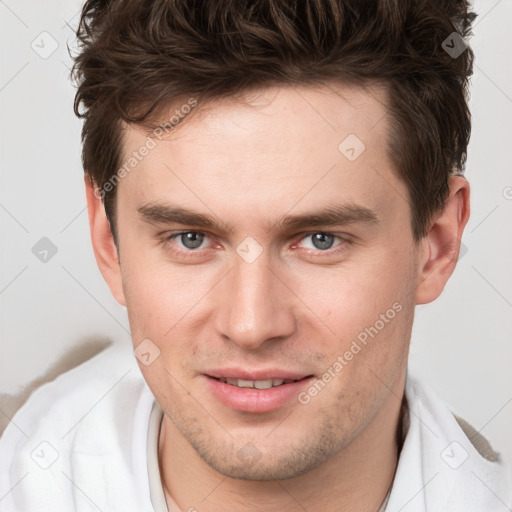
(356, 478)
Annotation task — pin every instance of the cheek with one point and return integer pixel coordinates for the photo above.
(368, 307)
(165, 302)
(148, 283)
(153, 298)
(354, 294)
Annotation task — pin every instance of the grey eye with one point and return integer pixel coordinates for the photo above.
(191, 239)
(322, 240)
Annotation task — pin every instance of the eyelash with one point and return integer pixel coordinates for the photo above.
(168, 238)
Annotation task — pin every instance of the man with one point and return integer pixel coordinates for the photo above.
(273, 187)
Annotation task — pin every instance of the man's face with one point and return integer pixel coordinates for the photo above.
(259, 295)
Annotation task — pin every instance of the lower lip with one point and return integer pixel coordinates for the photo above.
(256, 400)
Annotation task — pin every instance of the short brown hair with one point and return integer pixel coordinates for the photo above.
(136, 56)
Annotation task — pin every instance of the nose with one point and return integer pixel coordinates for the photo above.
(255, 306)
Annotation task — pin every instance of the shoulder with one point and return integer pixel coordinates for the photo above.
(444, 456)
(74, 428)
(422, 397)
(77, 355)
(70, 389)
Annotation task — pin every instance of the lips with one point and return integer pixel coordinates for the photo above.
(258, 384)
(255, 375)
(258, 391)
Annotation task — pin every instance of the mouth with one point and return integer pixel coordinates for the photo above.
(256, 392)
(257, 384)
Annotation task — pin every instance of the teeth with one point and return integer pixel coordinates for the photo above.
(258, 384)
(263, 384)
(245, 383)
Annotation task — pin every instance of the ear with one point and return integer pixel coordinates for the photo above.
(441, 245)
(103, 244)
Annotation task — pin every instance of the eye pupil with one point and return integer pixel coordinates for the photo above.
(322, 240)
(192, 240)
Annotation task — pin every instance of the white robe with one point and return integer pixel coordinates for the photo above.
(79, 444)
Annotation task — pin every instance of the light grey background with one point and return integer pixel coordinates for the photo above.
(461, 343)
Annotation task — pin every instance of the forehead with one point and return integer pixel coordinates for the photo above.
(268, 151)
(329, 107)
(304, 111)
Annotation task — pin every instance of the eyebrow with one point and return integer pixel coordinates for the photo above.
(329, 216)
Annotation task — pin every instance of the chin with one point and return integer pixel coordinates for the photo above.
(249, 463)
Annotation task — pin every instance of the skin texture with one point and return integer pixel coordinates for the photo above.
(295, 307)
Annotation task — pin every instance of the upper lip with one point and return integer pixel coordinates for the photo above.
(264, 374)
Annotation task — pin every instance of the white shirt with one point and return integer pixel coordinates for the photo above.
(85, 442)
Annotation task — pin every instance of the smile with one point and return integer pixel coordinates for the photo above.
(257, 384)
(255, 392)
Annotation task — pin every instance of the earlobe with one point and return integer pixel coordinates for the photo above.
(441, 245)
(105, 249)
